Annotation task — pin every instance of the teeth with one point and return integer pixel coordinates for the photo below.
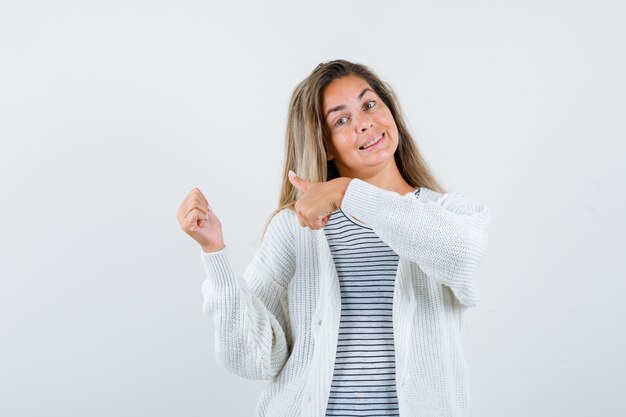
(372, 142)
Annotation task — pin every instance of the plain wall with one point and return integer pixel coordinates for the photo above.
(111, 112)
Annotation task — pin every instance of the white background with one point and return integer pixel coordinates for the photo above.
(111, 112)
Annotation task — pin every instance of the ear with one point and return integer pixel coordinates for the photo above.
(327, 143)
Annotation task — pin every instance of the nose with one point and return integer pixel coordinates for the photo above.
(363, 123)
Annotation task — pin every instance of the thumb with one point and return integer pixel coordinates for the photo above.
(298, 182)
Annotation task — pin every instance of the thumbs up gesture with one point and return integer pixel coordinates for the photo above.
(318, 199)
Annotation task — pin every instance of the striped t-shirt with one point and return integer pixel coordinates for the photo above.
(364, 379)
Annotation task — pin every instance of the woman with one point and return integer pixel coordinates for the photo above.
(354, 302)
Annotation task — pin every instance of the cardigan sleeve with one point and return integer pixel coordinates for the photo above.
(250, 314)
(445, 234)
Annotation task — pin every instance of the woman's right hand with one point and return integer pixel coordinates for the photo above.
(197, 219)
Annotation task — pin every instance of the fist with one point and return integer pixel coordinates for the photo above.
(318, 200)
(198, 220)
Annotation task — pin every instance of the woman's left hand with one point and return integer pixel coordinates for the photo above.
(318, 200)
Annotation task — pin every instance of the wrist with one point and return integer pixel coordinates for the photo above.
(344, 182)
(213, 248)
(344, 185)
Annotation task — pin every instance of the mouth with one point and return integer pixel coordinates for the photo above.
(373, 144)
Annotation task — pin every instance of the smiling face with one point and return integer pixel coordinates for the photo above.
(355, 116)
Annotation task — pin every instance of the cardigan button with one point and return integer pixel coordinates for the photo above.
(319, 322)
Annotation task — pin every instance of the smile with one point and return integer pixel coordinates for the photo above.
(373, 144)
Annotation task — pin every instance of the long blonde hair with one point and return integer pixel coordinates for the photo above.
(307, 134)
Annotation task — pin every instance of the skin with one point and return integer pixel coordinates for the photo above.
(361, 119)
(356, 123)
(197, 219)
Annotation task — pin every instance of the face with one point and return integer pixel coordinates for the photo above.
(356, 116)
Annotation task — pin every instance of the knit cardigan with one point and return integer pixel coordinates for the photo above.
(280, 320)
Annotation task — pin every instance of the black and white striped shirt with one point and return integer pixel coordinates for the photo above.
(364, 380)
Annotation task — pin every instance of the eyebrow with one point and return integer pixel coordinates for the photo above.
(343, 106)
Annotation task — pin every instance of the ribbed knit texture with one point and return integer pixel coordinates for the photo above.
(364, 379)
(280, 320)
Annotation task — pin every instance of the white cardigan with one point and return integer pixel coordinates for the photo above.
(280, 321)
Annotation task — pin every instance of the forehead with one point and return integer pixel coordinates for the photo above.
(344, 90)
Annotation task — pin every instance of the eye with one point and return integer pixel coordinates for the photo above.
(337, 123)
(367, 105)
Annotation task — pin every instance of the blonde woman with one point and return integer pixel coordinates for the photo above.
(353, 305)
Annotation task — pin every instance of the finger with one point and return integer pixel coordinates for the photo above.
(302, 221)
(192, 219)
(196, 205)
(316, 224)
(296, 181)
(198, 194)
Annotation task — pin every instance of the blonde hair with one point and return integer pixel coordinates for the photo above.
(307, 134)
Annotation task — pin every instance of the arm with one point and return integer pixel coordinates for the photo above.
(252, 335)
(445, 234)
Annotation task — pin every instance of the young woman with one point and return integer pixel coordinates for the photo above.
(353, 305)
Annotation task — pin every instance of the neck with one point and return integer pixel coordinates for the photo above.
(388, 178)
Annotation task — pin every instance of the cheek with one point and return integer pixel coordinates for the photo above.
(341, 141)
(389, 122)
(337, 145)
(388, 118)
(344, 146)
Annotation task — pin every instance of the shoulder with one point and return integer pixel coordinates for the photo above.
(285, 216)
(282, 224)
(286, 212)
